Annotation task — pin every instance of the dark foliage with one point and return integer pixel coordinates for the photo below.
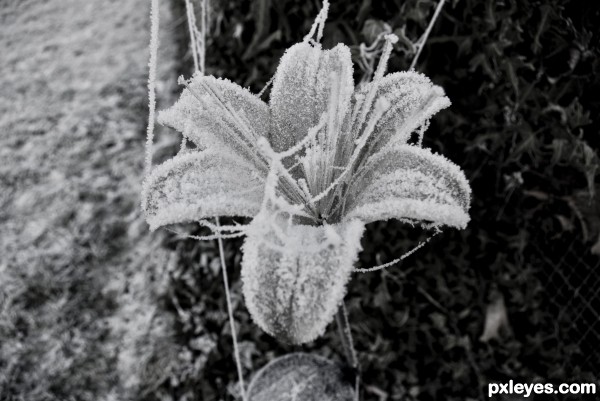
(522, 76)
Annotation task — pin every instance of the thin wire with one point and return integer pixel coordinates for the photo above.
(204, 16)
(348, 344)
(393, 262)
(192, 28)
(264, 89)
(205, 237)
(423, 39)
(154, 21)
(323, 14)
(236, 350)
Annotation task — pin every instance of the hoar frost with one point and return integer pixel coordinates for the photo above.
(311, 167)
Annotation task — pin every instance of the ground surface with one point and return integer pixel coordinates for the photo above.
(79, 272)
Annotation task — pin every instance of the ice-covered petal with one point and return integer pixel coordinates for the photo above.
(301, 377)
(302, 88)
(217, 113)
(197, 185)
(409, 182)
(294, 276)
(411, 99)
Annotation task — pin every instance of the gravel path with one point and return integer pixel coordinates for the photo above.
(80, 277)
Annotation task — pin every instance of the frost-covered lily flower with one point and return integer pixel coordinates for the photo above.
(312, 168)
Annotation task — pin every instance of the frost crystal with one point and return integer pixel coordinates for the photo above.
(312, 167)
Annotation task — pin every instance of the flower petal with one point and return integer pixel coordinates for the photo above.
(301, 377)
(203, 184)
(294, 276)
(215, 113)
(409, 182)
(302, 88)
(411, 99)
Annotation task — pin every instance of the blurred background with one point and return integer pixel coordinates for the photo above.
(94, 307)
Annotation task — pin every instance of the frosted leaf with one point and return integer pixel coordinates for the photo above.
(408, 182)
(301, 90)
(197, 185)
(294, 276)
(412, 99)
(301, 377)
(217, 113)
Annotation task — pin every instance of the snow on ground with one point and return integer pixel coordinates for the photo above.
(80, 275)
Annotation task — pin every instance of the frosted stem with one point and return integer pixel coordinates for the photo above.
(183, 145)
(393, 262)
(189, 8)
(390, 39)
(199, 54)
(426, 34)
(204, 15)
(348, 344)
(319, 24)
(154, 20)
(236, 351)
(197, 37)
